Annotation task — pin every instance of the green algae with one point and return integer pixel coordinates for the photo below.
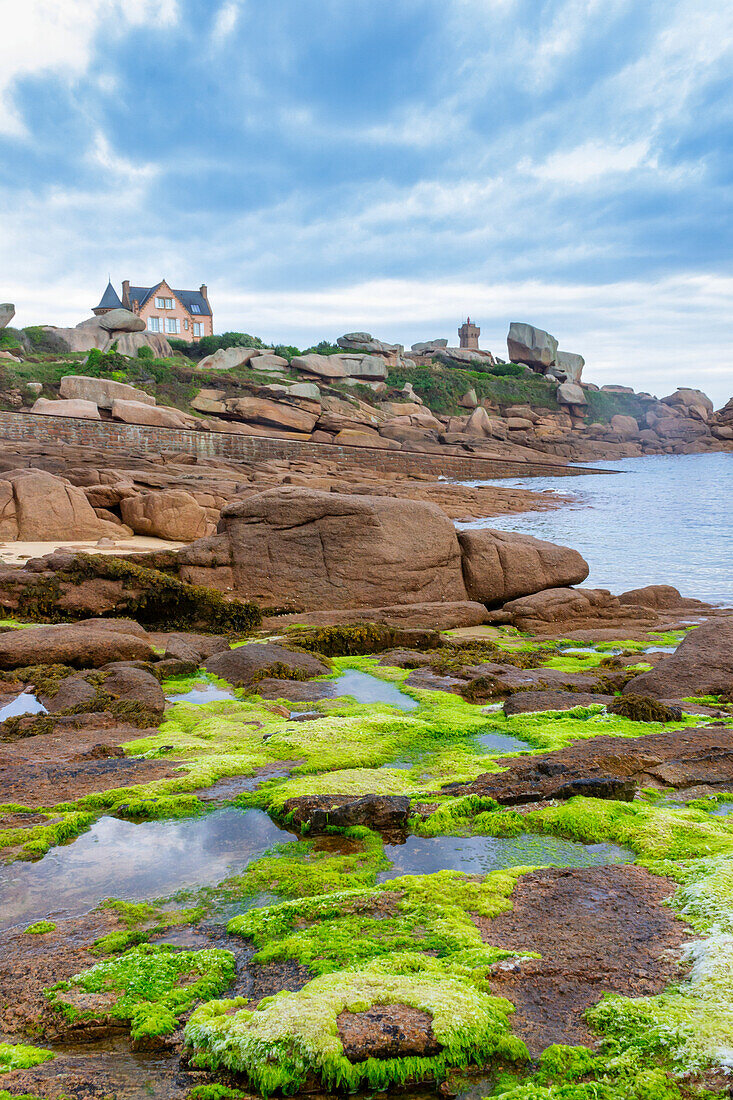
(21, 1056)
(32, 841)
(40, 928)
(576, 1073)
(155, 985)
(141, 920)
(429, 913)
(288, 1036)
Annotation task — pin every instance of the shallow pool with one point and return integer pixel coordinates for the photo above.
(370, 689)
(203, 693)
(477, 855)
(134, 861)
(25, 703)
(502, 742)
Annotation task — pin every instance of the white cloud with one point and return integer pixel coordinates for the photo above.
(126, 173)
(224, 22)
(590, 161)
(58, 37)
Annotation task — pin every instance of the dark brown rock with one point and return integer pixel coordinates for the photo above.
(80, 645)
(502, 565)
(249, 663)
(380, 812)
(387, 1031)
(526, 702)
(702, 664)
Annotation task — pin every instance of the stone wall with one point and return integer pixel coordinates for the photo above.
(26, 428)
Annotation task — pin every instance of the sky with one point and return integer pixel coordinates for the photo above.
(329, 165)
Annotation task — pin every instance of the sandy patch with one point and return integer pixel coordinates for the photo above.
(17, 553)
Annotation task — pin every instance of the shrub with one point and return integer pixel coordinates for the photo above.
(145, 352)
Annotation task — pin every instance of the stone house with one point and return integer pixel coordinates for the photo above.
(185, 314)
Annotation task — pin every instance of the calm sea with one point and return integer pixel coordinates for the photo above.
(661, 519)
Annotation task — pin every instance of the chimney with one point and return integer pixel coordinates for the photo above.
(204, 291)
(126, 293)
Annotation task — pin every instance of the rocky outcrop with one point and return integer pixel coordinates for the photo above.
(383, 813)
(7, 312)
(693, 402)
(530, 345)
(76, 408)
(363, 367)
(229, 358)
(570, 364)
(428, 345)
(160, 416)
(311, 550)
(277, 414)
(702, 664)
(168, 514)
(247, 664)
(569, 393)
(88, 644)
(103, 392)
(36, 506)
(121, 320)
(502, 565)
(364, 341)
(92, 334)
(463, 357)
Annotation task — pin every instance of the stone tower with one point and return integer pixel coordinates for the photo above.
(468, 334)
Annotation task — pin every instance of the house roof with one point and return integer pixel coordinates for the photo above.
(187, 298)
(110, 299)
(190, 298)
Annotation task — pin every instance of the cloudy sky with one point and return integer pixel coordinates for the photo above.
(330, 165)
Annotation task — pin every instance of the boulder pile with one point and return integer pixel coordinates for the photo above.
(103, 398)
(303, 549)
(120, 327)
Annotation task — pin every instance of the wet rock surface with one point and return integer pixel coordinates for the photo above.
(679, 759)
(599, 930)
(387, 1031)
(383, 813)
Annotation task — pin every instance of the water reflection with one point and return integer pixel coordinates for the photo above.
(203, 693)
(25, 703)
(120, 859)
(477, 855)
(370, 689)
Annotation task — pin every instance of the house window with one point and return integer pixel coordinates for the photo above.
(172, 325)
(185, 323)
(164, 303)
(195, 307)
(153, 324)
(198, 328)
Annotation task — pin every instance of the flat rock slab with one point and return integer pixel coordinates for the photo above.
(602, 930)
(676, 758)
(387, 1031)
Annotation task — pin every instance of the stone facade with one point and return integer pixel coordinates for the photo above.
(468, 335)
(19, 427)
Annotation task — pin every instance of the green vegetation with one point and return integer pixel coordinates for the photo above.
(20, 1056)
(33, 840)
(40, 928)
(441, 387)
(293, 1034)
(154, 985)
(151, 597)
(141, 921)
(602, 406)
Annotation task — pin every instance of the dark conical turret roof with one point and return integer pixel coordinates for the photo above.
(110, 299)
